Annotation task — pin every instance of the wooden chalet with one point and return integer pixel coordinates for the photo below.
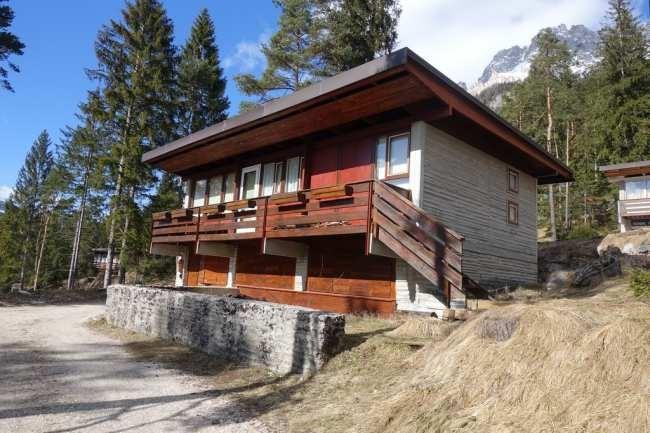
(385, 187)
(633, 182)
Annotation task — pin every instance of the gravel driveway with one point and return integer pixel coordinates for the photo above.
(58, 376)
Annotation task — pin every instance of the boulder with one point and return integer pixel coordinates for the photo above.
(632, 243)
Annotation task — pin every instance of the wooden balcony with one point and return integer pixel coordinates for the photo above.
(376, 209)
(337, 210)
(637, 208)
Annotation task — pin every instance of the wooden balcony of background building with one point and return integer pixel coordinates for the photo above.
(635, 208)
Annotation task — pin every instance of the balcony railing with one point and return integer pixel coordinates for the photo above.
(635, 208)
(336, 210)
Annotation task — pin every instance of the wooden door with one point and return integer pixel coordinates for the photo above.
(323, 164)
(215, 271)
(355, 161)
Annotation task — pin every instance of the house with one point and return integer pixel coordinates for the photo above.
(633, 180)
(385, 187)
(100, 258)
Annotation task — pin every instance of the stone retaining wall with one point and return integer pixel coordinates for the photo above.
(284, 338)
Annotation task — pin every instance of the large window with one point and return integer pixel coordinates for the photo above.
(293, 174)
(216, 190)
(635, 189)
(250, 180)
(392, 156)
(199, 193)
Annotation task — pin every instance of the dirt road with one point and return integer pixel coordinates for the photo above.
(58, 376)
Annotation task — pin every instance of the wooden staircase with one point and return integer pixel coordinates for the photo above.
(432, 249)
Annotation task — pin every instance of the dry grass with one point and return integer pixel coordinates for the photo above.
(558, 365)
(570, 362)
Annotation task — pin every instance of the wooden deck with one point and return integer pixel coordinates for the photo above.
(372, 208)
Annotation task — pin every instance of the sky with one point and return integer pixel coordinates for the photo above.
(459, 37)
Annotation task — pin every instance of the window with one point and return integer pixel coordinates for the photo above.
(277, 179)
(513, 180)
(635, 189)
(268, 178)
(392, 156)
(216, 188)
(186, 193)
(293, 174)
(398, 151)
(250, 180)
(229, 188)
(380, 162)
(513, 213)
(199, 193)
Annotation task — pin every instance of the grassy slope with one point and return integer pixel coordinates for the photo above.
(564, 362)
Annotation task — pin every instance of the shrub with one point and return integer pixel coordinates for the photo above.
(582, 232)
(640, 282)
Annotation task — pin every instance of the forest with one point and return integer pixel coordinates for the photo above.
(90, 190)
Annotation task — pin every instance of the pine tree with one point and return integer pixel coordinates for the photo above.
(358, 30)
(29, 198)
(81, 150)
(136, 70)
(542, 102)
(10, 44)
(620, 103)
(292, 55)
(200, 79)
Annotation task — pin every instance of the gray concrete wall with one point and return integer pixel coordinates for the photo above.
(281, 337)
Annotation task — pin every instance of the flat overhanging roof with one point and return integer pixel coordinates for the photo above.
(626, 169)
(391, 83)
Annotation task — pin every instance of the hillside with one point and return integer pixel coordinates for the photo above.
(576, 362)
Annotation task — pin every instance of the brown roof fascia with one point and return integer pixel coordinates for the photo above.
(467, 105)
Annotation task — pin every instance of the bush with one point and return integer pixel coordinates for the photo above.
(583, 232)
(640, 282)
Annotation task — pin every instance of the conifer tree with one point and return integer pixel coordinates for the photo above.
(358, 31)
(292, 55)
(542, 100)
(136, 71)
(620, 103)
(10, 44)
(29, 198)
(200, 79)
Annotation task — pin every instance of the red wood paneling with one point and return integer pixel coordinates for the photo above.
(193, 269)
(256, 269)
(323, 162)
(215, 271)
(339, 266)
(321, 301)
(355, 160)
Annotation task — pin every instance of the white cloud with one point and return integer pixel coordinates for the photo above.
(248, 55)
(5, 192)
(460, 37)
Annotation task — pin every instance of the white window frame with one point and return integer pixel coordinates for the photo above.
(389, 143)
(257, 169)
(219, 194)
(643, 179)
(286, 177)
(194, 197)
(268, 174)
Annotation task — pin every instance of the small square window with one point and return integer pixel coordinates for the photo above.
(513, 180)
(513, 213)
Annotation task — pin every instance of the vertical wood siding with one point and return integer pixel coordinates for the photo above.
(467, 190)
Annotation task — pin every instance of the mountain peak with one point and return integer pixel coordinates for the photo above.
(513, 64)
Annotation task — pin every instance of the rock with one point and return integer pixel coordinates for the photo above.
(633, 243)
(559, 279)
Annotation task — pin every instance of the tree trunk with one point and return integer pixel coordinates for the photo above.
(566, 185)
(549, 143)
(39, 260)
(118, 195)
(72, 271)
(125, 231)
(23, 260)
(111, 231)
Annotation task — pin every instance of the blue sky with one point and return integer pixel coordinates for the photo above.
(457, 36)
